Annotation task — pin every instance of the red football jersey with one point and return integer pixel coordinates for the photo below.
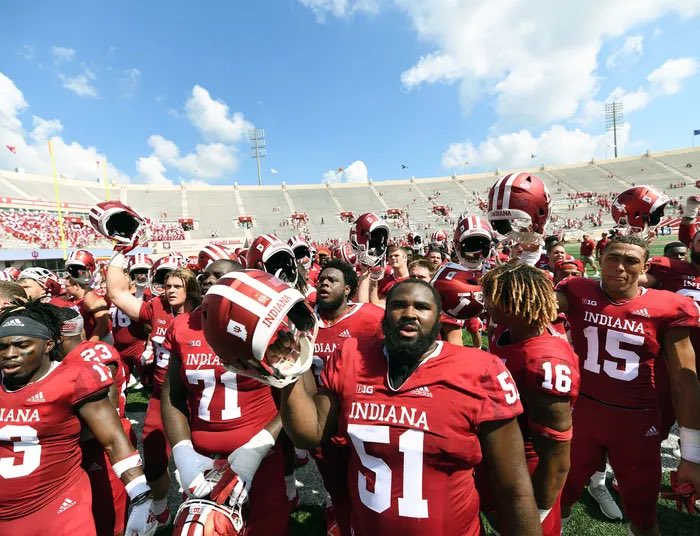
(313, 274)
(129, 337)
(546, 364)
(618, 341)
(226, 409)
(387, 282)
(587, 247)
(414, 447)
(101, 352)
(674, 275)
(39, 430)
(158, 314)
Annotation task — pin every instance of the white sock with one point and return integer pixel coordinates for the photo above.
(598, 479)
(159, 506)
(290, 486)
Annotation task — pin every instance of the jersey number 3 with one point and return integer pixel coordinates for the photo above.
(25, 443)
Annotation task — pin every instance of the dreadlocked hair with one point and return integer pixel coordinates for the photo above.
(44, 313)
(521, 291)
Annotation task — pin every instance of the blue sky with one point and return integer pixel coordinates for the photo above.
(166, 91)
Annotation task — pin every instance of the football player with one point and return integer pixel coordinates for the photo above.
(81, 266)
(398, 263)
(389, 397)
(520, 301)
(618, 330)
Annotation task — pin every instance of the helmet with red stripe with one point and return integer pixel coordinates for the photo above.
(519, 207)
(461, 298)
(369, 238)
(46, 278)
(473, 241)
(243, 257)
(4, 276)
(302, 250)
(159, 271)
(214, 252)
(13, 272)
(202, 517)
(119, 222)
(140, 261)
(639, 209)
(438, 239)
(270, 254)
(242, 314)
(80, 264)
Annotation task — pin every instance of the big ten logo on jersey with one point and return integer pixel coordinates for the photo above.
(586, 301)
(364, 389)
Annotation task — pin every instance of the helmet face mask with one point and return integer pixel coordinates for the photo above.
(638, 210)
(282, 266)
(207, 518)
(369, 239)
(120, 223)
(474, 250)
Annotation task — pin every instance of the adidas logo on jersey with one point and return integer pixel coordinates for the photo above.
(65, 505)
(94, 467)
(37, 398)
(13, 322)
(422, 391)
(642, 312)
(345, 334)
(651, 432)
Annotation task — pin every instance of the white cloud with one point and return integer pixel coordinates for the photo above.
(630, 51)
(340, 8)
(61, 54)
(556, 145)
(26, 52)
(73, 160)
(152, 170)
(668, 79)
(129, 82)
(81, 84)
(212, 118)
(356, 172)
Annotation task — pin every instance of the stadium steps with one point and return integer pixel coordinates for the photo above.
(335, 199)
(14, 188)
(681, 174)
(420, 191)
(288, 200)
(558, 180)
(619, 179)
(183, 203)
(89, 196)
(239, 202)
(381, 199)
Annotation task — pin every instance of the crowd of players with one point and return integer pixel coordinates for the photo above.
(354, 355)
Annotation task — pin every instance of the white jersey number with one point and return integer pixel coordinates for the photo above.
(613, 339)
(561, 374)
(119, 318)
(411, 503)
(25, 442)
(208, 378)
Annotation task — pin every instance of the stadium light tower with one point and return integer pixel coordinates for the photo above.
(613, 119)
(258, 148)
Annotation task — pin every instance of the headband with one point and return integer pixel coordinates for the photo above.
(24, 327)
(73, 326)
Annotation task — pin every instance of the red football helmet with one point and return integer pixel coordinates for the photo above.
(243, 257)
(140, 261)
(461, 298)
(214, 252)
(639, 209)
(346, 253)
(4, 276)
(119, 222)
(80, 264)
(438, 239)
(369, 237)
(242, 313)
(159, 270)
(270, 254)
(519, 207)
(302, 249)
(473, 241)
(207, 518)
(13, 272)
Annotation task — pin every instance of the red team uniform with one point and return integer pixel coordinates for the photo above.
(226, 411)
(43, 489)
(545, 364)
(129, 338)
(412, 459)
(617, 411)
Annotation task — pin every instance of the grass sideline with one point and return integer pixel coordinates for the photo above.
(586, 518)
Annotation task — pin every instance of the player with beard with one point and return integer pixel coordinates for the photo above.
(418, 413)
(618, 330)
(339, 319)
(520, 301)
(236, 419)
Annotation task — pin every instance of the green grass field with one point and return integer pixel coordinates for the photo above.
(586, 519)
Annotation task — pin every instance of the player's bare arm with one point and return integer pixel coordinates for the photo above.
(502, 444)
(173, 400)
(100, 311)
(118, 287)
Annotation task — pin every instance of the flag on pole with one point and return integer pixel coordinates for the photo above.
(11, 148)
(696, 132)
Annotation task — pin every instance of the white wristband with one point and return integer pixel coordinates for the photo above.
(118, 260)
(543, 514)
(131, 461)
(137, 486)
(690, 444)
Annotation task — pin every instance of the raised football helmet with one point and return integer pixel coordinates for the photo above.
(461, 298)
(369, 238)
(159, 270)
(80, 264)
(46, 278)
(439, 239)
(119, 222)
(473, 241)
(302, 250)
(207, 518)
(241, 315)
(214, 252)
(639, 209)
(519, 207)
(270, 254)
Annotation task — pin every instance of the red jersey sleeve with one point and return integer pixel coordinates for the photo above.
(554, 375)
(686, 232)
(499, 398)
(683, 312)
(91, 378)
(146, 312)
(331, 376)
